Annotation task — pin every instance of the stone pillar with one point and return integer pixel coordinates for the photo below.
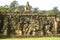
(41, 26)
(55, 28)
(5, 27)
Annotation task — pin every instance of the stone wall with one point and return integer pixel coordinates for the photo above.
(26, 24)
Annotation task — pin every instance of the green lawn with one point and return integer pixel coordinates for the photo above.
(40, 38)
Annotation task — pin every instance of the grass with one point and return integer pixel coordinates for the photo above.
(38, 38)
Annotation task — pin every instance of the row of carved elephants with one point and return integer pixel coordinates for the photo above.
(28, 25)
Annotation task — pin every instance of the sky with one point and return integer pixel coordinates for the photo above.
(41, 4)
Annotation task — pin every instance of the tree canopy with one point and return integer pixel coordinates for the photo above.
(15, 7)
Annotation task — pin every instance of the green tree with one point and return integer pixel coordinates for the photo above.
(3, 9)
(35, 10)
(13, 5)
(55, 10)
(6, 6)
(19, 9)
(42, 11)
